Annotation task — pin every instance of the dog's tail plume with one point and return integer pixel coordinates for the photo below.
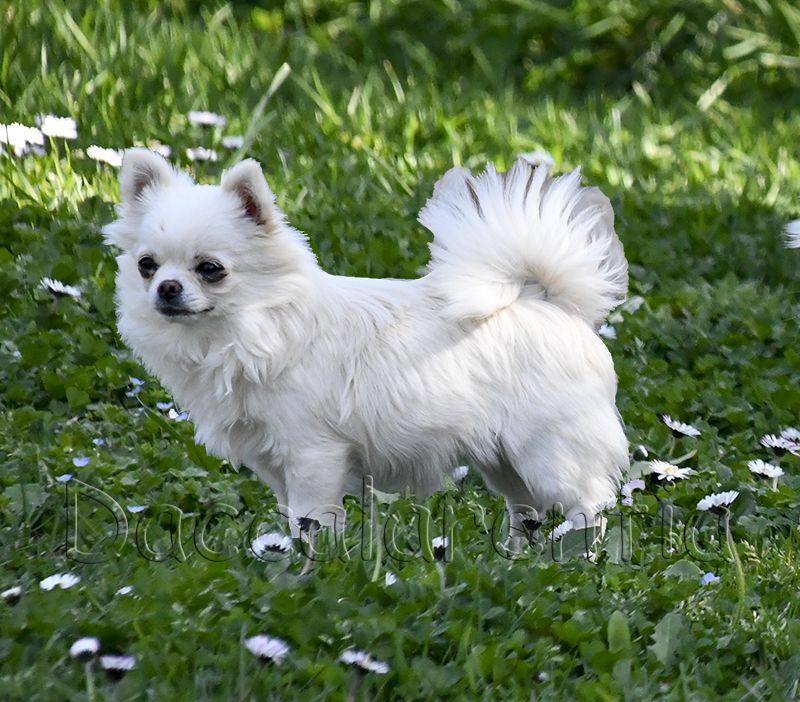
(501, 236)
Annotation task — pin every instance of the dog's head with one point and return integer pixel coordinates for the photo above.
(192, 251)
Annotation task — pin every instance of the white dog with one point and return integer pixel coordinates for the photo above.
(315, 381)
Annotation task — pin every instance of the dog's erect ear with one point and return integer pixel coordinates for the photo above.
(246, 181)
(141, 169)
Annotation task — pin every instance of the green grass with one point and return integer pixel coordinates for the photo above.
(686, 114)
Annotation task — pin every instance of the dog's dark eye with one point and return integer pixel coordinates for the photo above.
(147, 267)
(211, 271)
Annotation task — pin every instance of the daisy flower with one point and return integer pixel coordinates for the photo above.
(116, 666)
(62, 580)
(717, 499)
(159, 148)
(364, 661)
(207, 119)
(389, 579)
(668, 471)
(679, 428)
(85, 649)
(439, 545)
(561, 530)
(791, 434)
(628, 488)
(57, 127)
(459, 474)
(538, 157)
(793, 234)
(201, 153)
(780, 444)
(22, 139)
(608, 331)
(59, 289)
(768, 470)
(267, 648)
(12, 595)
(113, 157)
(233, 142)
(273, 542)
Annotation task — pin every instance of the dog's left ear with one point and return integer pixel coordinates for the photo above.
(246, 181)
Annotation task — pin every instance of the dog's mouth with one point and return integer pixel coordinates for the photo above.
(171, 311)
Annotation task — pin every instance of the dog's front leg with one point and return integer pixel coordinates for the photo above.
(315, 487)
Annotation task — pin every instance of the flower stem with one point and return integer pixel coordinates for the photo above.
(737, 564)
(89, 681)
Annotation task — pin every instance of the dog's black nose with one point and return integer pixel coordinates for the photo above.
(169, 289)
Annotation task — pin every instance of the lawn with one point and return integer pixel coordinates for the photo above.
(687, 114)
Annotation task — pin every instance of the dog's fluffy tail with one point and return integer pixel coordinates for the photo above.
(500, 236)
(793, 234)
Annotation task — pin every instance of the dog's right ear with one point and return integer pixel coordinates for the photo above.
(141, 170)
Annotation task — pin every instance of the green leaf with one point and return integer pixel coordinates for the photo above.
(667, 635)
(619, 635)
(684, 570)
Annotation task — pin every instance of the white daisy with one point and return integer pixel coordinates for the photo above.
(21, 138)
(439, 545)
(85, 649)
(679, 428)
(59, 289)
(768, 470)
(207, 119)
(159, 148)
(233, 142)
(12, 595)
(717, 499)
(460, 473)
(113, 157)
(389, 579)
(793, 234)
(628, 488)
(668, 471)
(267, 648)
(709, 579)
(364, 660)
(57, 127)
(273, 542)
(780, 444)
(538, 157)
(116, 666)
(62, 580)
(791, 434)
(608, 331)
(561, 530)
(201, 153)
